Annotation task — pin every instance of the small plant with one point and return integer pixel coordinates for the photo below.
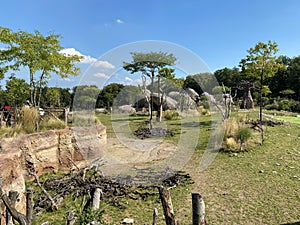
(243, 135)
(89, 215)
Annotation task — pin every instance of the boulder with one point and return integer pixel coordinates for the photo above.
(47, 151)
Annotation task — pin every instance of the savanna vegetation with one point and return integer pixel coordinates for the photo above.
(253, 180)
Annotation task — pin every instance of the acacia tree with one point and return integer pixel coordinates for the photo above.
(41, 55)
(260, 63)
(149, 64)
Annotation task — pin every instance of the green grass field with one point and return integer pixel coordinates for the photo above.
(259, 186)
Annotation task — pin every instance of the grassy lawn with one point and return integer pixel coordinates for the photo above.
(260, 186)
(290, 119)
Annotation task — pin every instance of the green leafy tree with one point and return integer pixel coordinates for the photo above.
(294, 76)
(40, 54)
(17, 91)
(108, 95)
(149, 64)
(228, 77)
(85, 97)
(53, 96)
(260, 63)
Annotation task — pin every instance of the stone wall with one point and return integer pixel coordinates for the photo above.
(47, 151)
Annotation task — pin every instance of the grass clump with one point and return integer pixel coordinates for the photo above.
(171, 115)
(29, 119)
(51, 124)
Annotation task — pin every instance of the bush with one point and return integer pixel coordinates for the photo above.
(171, 115)
(244, 134)
(51, 124)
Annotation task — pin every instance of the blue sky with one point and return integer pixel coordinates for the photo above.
(219, 32)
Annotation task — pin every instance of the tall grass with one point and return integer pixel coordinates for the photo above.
(29, 119)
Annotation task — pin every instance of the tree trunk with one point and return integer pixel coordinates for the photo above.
(40, 89)
(260, 107)
(151, 99)
(166, 202)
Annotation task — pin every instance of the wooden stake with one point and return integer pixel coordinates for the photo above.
(155, 215)
(96, 199)
(29, 204)
(166, 202)
(198, 209)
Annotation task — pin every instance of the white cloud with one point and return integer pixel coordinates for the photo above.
(128, 79)
(101, 75)
(104, 64)
(72, 51)
(119, 21)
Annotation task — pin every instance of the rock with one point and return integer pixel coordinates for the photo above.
(126, 109)
(261, 171)
(274, 172)
(127, 221)
(47, 151)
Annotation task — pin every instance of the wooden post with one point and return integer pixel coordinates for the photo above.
(166, 202)
(198, 209)
(29, 204)
(71, 218)
(1, 204)
(96, 199)
(12, 195)
(67, 110)
(155, 215)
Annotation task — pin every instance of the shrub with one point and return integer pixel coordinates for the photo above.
(243, 134)
(171, 115)
(273, 106)
(51, 123)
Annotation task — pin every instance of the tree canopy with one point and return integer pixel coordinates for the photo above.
(39, 54)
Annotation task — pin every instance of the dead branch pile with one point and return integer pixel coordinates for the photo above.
(154, 132)
(85, 181)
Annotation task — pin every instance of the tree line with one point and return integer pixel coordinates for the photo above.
(262, 76)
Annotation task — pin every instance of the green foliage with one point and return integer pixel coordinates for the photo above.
(171, 115)
(53, 96)
(287, 92)
(109, 94)
(228, 77)
(85, 97)
(90, 215)
(244, 134)
(17, 91)
(200, 81)
(51, 124)
(261, 61)
(150, 63)
(40, 54)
